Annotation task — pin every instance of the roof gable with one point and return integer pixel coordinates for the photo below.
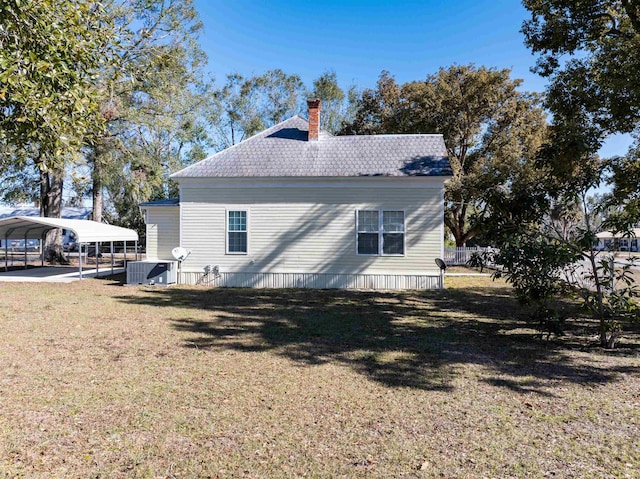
(284, 151)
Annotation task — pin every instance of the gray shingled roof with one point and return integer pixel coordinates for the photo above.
(283, 150)
(168, 202)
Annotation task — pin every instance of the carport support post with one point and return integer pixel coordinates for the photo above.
(80, 258)
(6, 254)
(97, 254)
(112, 258)
(136, 245)
(25, 250)
(125, 254)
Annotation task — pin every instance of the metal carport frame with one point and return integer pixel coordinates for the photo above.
(86, 231)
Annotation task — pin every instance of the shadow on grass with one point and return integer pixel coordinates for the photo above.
(400, 339)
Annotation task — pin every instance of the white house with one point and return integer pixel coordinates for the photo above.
(619, 241)
(294, 206)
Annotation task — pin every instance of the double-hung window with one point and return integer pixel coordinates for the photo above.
(237, 232)
(380, 232)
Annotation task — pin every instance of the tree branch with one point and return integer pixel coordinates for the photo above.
(632, 7)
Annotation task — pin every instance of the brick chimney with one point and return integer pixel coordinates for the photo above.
(314, 118)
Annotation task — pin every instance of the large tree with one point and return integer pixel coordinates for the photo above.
(50, 55)
(50, 52)
(546, 234)
(234, 112)
(152, 100)
(281, 95)
(243, 106)
(624, 200)
(336, 104)
(589, 51)
(490, 129)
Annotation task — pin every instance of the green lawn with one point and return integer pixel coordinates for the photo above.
(101, 380)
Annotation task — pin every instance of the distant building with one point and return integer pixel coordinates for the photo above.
(607, 241)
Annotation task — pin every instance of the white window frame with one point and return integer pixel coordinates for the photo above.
(380, 232)
(358, 232)
(226, 230)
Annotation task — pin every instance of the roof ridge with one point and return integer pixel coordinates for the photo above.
(262, 133)
(389, 135)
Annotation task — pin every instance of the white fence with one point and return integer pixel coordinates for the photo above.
(460, 256)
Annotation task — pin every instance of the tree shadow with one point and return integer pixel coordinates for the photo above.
(427, 165)
(400, 339)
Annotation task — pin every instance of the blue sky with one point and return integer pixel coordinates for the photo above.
(358, 39)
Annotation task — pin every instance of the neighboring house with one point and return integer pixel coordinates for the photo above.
(607, 241)
(68, 212)
(294, 206)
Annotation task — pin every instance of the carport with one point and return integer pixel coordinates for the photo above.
(87, 232)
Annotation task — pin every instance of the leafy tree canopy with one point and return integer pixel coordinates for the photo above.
(50, 55)
(589, 50)
(335, 102)
(153, 98)
(243, 106)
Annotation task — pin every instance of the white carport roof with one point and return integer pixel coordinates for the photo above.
(33, 227)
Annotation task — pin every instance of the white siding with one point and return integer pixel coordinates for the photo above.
(310, 229)
(163, 231)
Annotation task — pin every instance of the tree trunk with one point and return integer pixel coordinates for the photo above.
(456, 226)
(456, 220)
(51, 184)
(97, 191)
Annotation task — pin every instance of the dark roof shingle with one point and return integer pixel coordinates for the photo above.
(283, 151)
(167, 202)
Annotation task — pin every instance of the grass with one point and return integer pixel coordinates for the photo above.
(101, 380)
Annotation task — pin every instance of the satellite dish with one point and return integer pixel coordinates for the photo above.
(441, 264)
(180, 253)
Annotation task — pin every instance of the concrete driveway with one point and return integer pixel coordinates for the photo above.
(53, 274)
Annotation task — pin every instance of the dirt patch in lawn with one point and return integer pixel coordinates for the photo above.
(101, 380)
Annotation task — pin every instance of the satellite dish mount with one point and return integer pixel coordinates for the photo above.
(442, 266)
(180, 254)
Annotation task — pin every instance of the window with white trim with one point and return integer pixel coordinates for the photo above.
(380, 232)
(237, 232)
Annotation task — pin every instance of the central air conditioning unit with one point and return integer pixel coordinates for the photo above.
(159, 273)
